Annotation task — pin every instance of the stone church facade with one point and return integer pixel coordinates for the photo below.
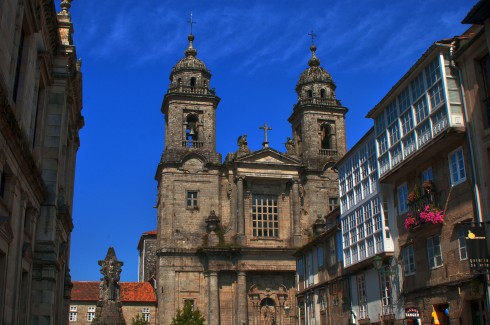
(227, 230)
(40, 120)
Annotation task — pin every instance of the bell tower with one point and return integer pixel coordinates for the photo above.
(318, 118)
(190, 110)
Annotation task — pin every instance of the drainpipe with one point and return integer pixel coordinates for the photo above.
(472, 161)
(468, 131)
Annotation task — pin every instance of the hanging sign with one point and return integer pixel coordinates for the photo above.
(476, 247)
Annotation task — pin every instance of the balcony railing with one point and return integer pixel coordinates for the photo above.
(409, 149)
(440, 126)
(388, 310)
(319, 101)
(396, 159)
(190, 90)
(328, 152)
(192, 144)
(363, 313)
(424, 138)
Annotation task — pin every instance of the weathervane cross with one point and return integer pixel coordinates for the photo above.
(191, 22)
(313, 35)
(266, 128)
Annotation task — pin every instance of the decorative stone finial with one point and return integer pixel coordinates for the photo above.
(65, 6)
(111, 273)
(319, 225)
(314, 61)
(109, 307)
(212, 222)
(190, 51)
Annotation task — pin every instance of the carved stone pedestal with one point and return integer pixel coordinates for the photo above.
(109, 312)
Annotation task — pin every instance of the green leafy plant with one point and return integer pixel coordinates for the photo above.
(188, 316)
(139, 320)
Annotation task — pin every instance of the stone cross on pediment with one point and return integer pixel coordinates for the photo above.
(266, 128)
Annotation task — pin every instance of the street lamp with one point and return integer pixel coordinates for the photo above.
(377, 262)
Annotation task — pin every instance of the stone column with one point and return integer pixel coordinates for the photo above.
(240, 203)
(213, 299)
(296, 213)
(242, 315)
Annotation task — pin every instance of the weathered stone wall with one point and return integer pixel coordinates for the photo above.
(129, 309)
(40, 116)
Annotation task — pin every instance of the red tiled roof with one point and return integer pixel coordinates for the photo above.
(130, 291)
(151, 232)
(137, 291)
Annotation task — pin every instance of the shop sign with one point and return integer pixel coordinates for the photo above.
(412, 312)
(476, 247)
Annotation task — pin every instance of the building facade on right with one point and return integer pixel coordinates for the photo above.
(426, 175)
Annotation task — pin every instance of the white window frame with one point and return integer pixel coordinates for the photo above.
(434, 251)
(73, 315)
(90, 313)
(457, 169)
(463, 253)
(402, 191)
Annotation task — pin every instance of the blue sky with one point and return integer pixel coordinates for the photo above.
(256, 51)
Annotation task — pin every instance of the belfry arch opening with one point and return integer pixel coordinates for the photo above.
(193, 82)
(323, 93)
(327, 137)
(191, 131)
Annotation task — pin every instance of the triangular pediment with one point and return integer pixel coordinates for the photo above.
(268, 156)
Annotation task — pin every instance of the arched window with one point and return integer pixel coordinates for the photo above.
(327, 136)
(310, 93)
(191, 131)
(205, 84)
(179, 81)
(193, 81)
(322, 93)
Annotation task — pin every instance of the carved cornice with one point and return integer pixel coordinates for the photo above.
(51, 22)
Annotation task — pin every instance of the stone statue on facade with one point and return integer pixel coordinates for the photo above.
(109, 308)
(290, 148)
(242, 146)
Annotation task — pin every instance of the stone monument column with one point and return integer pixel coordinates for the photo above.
(242, 314)
(213, 302)
(109, 307)
(296, 213)
(241, 208)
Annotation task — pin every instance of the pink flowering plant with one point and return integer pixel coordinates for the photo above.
(428, 214)
(410, 221)
(431, 215)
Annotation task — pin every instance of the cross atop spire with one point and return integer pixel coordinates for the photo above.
(266, 128)
(313, 35)
(191, 22)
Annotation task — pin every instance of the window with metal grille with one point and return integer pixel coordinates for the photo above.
(265, 216)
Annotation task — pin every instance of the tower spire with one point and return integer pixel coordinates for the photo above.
(191, 22)
(314, 61)
(190, 51)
